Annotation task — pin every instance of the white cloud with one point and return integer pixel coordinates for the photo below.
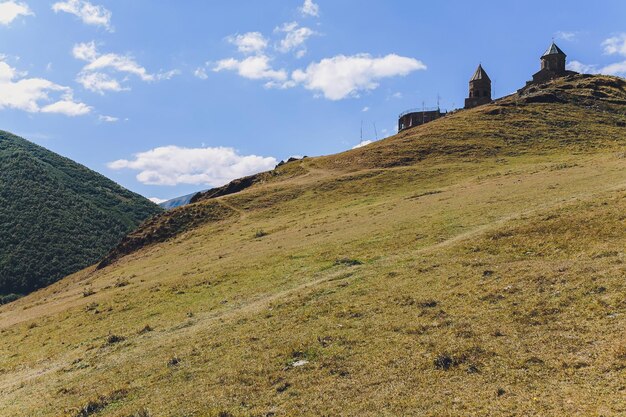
(251, 42)
(309, 8)
(582, 68)
(618, 68)
(294, 39)
(363, 143)
(566, 36)
(89, 13)
(67, 107)
(200, 72)
(96, 74)
(36, 95)
(99, 82)
(365, 109)
(108, 119)
(397, 95)
(157, 200)
(173, 165)
(255, 68)
(615, 45)
(11, 10)
(344, 76)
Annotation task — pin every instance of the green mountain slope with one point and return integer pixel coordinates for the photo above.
(56, 216)
(471, 266)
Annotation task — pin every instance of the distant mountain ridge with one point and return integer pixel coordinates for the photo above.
(178, 201)
(56, 216)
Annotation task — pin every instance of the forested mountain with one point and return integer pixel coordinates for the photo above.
(56, 216)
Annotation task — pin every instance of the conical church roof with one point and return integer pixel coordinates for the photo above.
(553, 50)
(480, 74)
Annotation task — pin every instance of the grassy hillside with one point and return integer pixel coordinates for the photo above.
(56, 216)
(471, 266)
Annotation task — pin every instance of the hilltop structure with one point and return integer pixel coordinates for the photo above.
(552, 66)
(416, 117)
(479, 89)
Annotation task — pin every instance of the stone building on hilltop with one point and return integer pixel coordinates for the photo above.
(479, 89)
(552, 66)
(417, 117)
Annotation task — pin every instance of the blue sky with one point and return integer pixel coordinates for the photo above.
(170, 97)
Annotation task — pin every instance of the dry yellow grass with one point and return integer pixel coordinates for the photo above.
(473, 266)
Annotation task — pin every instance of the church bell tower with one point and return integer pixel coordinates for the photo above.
(479, 89)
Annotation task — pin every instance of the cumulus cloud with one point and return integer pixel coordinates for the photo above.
(363, 143)
(615, 45)
(99, 82)
(254, 67)
(200, 72)
(343, 76)
(309, 8)
(365, 109)
(582, 68)
(36, 95)
(294, 39)
(89, 13)
(67, 106)
(11, 10)
(173, 165)
(566, 36)
(97, 76)
(617, 68)
(157, 200)
(251, 42)
(108, 119)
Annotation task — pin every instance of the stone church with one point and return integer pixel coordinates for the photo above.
(479, 89)
(552, 66)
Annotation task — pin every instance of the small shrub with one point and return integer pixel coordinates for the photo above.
(146, 329)
(283, 387)
(444, 361)
(260, 233)
(142, 413)
(9, 298)
(174, 361)
(95, 406)
(121, 282)
(88, 292)
(112, 339)
(348, 262)
(428, 304)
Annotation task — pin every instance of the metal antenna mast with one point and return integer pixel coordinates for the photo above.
(361, 130)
